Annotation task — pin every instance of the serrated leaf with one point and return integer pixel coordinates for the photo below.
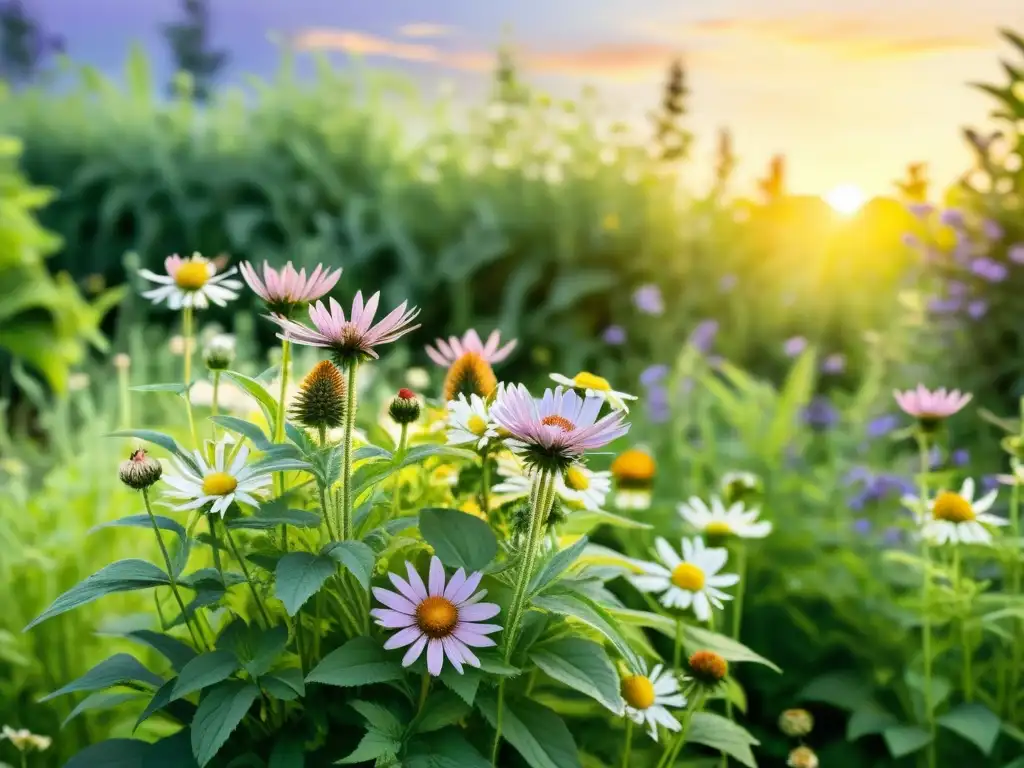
(582, 665)
(112, 753)
(299, 575)
(373, 746)
(166, 442)
(905, 739)
(460, 540)
(443, 708)
(465, 685)
(288, 752)
(724, 735)
(118, 669)
(576, 606)
(556, 565)
(284, 684)
(355, 556)
(99, 701)
(538, 734)
(974, 722)
(361, 661)
(253, 432)
(219, 713)
(443, 749)
(267, 518)
(203, 671)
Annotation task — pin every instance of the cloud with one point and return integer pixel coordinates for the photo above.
(853, 37)
(426, 29)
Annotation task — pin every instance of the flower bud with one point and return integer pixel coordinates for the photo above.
(320, 403)
(708, 668)
(140, 471)
(796, 723)
(219, 352)
(404, 407)
(122, 362)
(802, 757)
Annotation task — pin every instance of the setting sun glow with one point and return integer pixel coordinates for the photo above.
(846, 199)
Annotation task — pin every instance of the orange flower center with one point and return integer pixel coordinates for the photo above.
(192, 275)
(219, 484)
(953, 508)
(437, 617)
(558, 421)
(638, 691)
(688, 576)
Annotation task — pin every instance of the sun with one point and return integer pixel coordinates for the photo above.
(846, 199)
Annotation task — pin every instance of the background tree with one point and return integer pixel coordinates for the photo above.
(23, 43)
(190, 48)
(913, 188)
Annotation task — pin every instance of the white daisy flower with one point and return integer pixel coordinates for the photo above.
(692, 580)
(579, 488)
(718, 521)
(648, 698)
(470, 422)
(956, 518)
(595, 386)
(216, 483)
(191, 282)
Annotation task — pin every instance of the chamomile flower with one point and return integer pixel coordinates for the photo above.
(692, 580)
(648, 698)
(633, 471)
(470, 422)
(716, 521)
(191, 282)
(24, 740)
(578, 488)
(956, 518)
(219, 484)
(595, 386)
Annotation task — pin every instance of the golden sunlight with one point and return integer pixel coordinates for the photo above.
(846, 199)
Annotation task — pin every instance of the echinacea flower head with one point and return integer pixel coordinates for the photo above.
(592, 385)
(191, 282)
(929, 407)
(350, 339)
(649, 696)
(140, 470)
(445, 619)
(716, 522)
(445, 353)
(320, 402)
(957, 518)
(285, 289)
(552, 432)
(470, 374)
(633, 471)
(24, 740)
(470, 422)
(693, 580)
(802, 757)
(796, 723)
(219, 483)
(707, 669)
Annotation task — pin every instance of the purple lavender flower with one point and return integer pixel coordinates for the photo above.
(892, 536)
(727, 283)
(834, 363)
(938, 305)
(960, 457)
(653, 375)
(977, 309)
(911, 240)
(862, 526)
(1016, 253)
(703, 336)
(952, 217)
(615, 335)
(648, 300)
(989, 482)
(934, 458)
(989, 269)
(991, 229)
(956, 288)
(921, 210)
(880, 426)
(820, 414)
(657, 403)
(794, 345)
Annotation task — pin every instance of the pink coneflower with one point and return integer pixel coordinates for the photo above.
(931, 407)
(352, 339)
(191, 282)
(554, 431)
(284, 289)
(445, 353)
(443, 619)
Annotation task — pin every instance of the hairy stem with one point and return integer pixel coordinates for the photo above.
(170, 569)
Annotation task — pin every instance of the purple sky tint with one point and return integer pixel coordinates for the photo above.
(850, 90)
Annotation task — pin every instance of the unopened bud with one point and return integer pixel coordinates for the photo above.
(140, 471)
(708, 668)
(404, 407)
(219, 352)
(802, 757)
(122, 362)
(796, 723)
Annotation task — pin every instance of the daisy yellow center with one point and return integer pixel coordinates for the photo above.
(638, 691)
(437, 617)
(688, 576)
(219, 484)
(558, 421)
(953, 508)
(718, 528)
(577, 479)
(585, 380)
(476, 425)
(192, 275)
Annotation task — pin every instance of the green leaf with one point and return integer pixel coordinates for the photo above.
(356, 556)
(219, 713)
(98, 701)
(374, 745)
(119, 669)
(166, 442)
(444, 749)
(255, 648)
(160, 700)
(842, 690)
(288, 752)
(974, 722)
(867, 719)
(273, 514)
(556, 565)
(258, 393)
(253, 432)
(299, 576)
(203, 671)
(576, 606)
(465, 685)
(142, 520)
(905, 739)
(459, 539)
(122, 576)
(112, 753)
(284, 684)
(724, 735)
(443, 708)
(361, 661)
(794, 395)
(174, 650)
(583, 665)
(537, 733)
(174, 387)
(380, 717)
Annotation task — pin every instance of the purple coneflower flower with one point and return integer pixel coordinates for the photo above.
(862, 526)
(835, 363)
(445, 620)
(794, 346)
(992, 229)
(653, 374)
(820, 414)
(615, 335)
(928, 406)
(977, 309)
(952, 217)
(349, 339)
(283, 290)
(447, 352)
(659, 409)
(1016, 253)
(703, 336)
(960, 457)
(648, 300)
(989, 269)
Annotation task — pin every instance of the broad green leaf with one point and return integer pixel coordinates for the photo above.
(720, 733)
(583, 665)
(299, 575)
(119, 669)
(112, 753)
(974, 722)
(843, 690)
(160, 700)
(174, 387)
(166, 442)
(274, 514)
(219, 713)
(142, 520)
(373, 746)
(288, 752)
(556, 565)
(247, 429)
(443, 708)
(371, 453)
(794, 395)
(361, 661)
(867, 719)
(99, 701)
(464, 685)
(357, 558)
(122, 576)
(538, 734)
(443, 749)
(697, 638)
(578, 607)
(905, 739)
(174, 650)
(459, 539)
(255, 648)
(284, 684)
(380, 717)
(203, 671)
(257, 391)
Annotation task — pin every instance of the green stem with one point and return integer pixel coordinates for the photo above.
(677, 646)
(967, 680)
(1017, 654)
(485, 484)
(170, 569)
(498, 723)
(396, 483)
(737, 605)
(186, 332)
(926, 622)
(286, 354)
(424, 690)
(345, 524)
(325, 510)
(629, 743)
(216, 393)
(673, 749)
(248, 577)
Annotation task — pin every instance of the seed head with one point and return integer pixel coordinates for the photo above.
(320, 403)
(404, 407)
(802, 757)
(140, 470)
(796, 723)
(470, 375)
(219, 352)
(708, 668)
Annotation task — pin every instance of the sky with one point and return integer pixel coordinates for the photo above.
(849, 90)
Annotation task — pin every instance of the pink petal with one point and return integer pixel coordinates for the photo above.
(407, 636)
(477, 641)
(479, 611)
(404, 587)
(435, 657)
(452, 651)
(479, 629)
(392, 619)
(414, 651)
(394, 600)
(468, 657)
(466, 590)
(436, 577)
(455, 583)
(416, 583)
